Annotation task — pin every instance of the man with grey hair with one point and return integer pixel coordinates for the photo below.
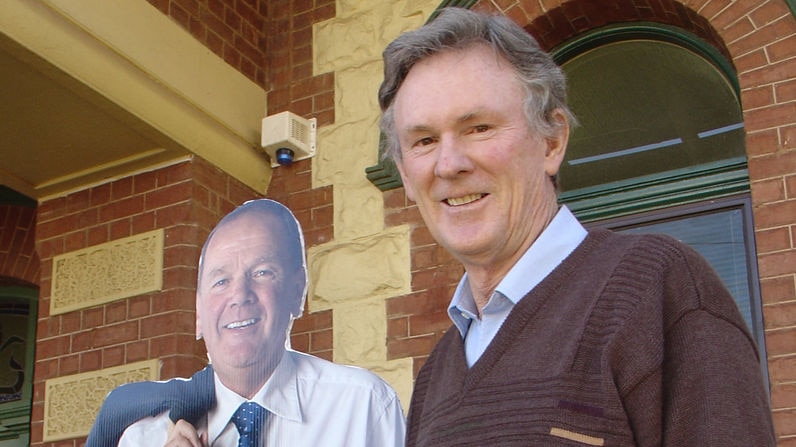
(256, 392)
(561, 336)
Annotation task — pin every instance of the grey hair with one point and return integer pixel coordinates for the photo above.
(459, 28)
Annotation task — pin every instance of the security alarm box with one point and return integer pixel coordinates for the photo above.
(287, 130)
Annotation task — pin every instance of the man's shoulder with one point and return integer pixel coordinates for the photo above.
(315, 370)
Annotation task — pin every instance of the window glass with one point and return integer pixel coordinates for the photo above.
(646, 107)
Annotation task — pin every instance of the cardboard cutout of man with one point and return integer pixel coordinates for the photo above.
(252, 283)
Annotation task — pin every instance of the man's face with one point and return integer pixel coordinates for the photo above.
(479, 175)
(246, 295)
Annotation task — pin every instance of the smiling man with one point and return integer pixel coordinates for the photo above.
(251, 286)
(561, 336)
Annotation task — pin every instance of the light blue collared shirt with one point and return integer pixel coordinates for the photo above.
(553, 245)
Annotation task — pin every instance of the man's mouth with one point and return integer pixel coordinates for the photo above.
(463, 200)
(242, 324)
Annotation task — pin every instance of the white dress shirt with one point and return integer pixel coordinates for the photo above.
(554, 244)
(311, 402)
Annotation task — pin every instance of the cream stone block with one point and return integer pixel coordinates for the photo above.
(360, 339)
(356, 91)
(71, 403)
(361, 269)
(358, 211)
(107, 272)
(360, 335)
(344, 153)
(358, 34)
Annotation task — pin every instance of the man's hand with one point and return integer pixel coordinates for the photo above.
(183, 434)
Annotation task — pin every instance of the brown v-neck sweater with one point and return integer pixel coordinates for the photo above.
(631, 341)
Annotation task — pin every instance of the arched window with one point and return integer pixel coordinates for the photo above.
(661, 147)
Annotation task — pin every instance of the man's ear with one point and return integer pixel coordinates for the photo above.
(298, 289)
(198, 321)
(410, 193)
(556, 145)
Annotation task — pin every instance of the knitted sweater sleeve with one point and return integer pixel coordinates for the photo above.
(686, 367)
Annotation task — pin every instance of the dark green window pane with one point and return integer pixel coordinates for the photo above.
(647, 107)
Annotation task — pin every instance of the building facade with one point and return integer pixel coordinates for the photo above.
(131, 128)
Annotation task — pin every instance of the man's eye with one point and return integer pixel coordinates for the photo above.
(425, 141)
(263, 274)
(220, 283)
(480, 128)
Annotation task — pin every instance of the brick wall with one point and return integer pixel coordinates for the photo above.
(292, 186)
(232, 29)
(269, 41)
(416, 321)
(276, 36)
(19, 262)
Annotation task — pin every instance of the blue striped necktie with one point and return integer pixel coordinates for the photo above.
(249, 420)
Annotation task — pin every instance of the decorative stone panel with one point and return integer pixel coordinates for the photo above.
(71, 403)
(107, 272)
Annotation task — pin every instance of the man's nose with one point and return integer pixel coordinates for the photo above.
(452, 157)
(243, 293)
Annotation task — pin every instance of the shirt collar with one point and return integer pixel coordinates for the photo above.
(279, 396)
(554, 244)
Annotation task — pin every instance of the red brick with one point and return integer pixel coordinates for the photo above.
(70, 322)
(116, 312)
(136, 351)
(121, 188)
(398, 327)
(321, 340)
(777, 290)
(52, 347)
(758, 97)
(785, 91)
(144, 182)
(772, 116)
(92, 318)
(409, 347)
(779, 342)
(122, 207)
(429, 323)
(178, 299)
(775, 239)
(775, 165)
(169, 195)
(120, 229)
(116, 333)
(101, 195)
(90, 360)
(139, 306)
(113, 356)
(779, 316)
(313, 321)
(69, 364)
(782, 369)
(769, 190)
(784, 395)
(163, 345)
(169, 323)
(300, 341)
